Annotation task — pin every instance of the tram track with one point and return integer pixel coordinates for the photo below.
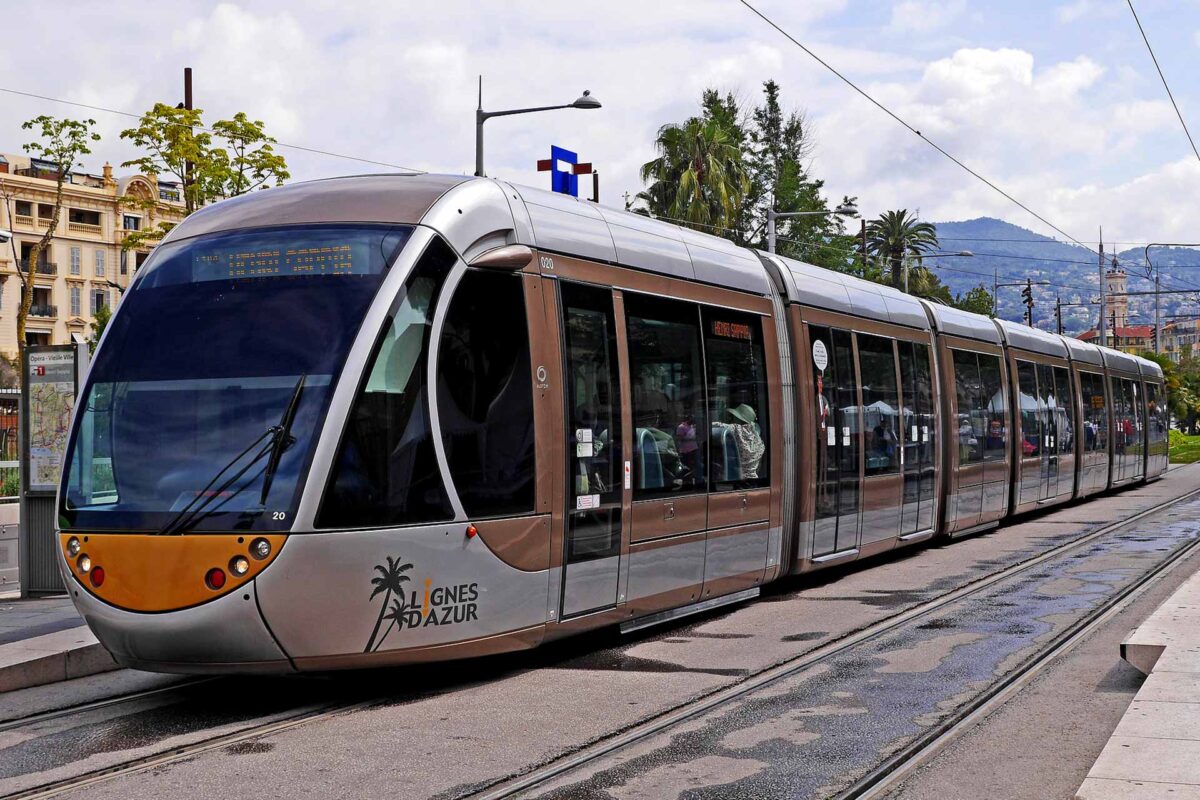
(880, 779)
(871, 785)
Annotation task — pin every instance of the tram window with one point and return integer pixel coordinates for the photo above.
(1031, 409)
(485, 399)
(670, 437)
(1156, 418)
(828, 436)
(386, 472)
(1065, 415)
(881, 404)
(994, 402)
(1095, 413)
(737, 400)
(972, 414)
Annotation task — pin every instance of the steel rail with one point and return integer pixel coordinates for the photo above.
(885, 777)
(16, 723)
(510, 785)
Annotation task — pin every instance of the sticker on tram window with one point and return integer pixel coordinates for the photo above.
(846, 436)
(914, 433)
(731, 330)
(628, 476)
(832, 436)
(924, 433)
(587, 501)
(583, 450)
(583, 435)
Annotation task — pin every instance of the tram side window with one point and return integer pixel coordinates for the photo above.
(972, 416)
(881, 404)
(485, 398)
(1065, 422)
(1156, 417)
(670, 437)
(995, 405)
(1031, 409)
(1095, 413)
(737, 400)
(386, 472)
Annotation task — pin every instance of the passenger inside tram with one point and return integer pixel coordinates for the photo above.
(747, 438)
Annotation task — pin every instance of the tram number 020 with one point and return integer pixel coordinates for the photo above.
(279, 515)
(547, 262)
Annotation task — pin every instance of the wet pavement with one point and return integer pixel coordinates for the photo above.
(449, 730)
(814, 734)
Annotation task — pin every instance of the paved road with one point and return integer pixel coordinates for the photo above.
(449, 730)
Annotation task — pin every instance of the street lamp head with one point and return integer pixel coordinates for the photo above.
(586, 101)
(966, 254)
(846, 210)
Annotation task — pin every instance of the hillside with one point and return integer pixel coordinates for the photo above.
(1014, 254)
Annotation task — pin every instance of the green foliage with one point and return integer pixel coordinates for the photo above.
(978, 301)
(897, 235)
(63, 142)
(11, 483)
(100, 321)
(698, 177)
(235, 157)
(1184, 449)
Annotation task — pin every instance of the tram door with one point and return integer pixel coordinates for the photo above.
(839, 435)
(1048, 408)
(595, 465)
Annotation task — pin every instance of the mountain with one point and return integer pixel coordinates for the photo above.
(1011, 254)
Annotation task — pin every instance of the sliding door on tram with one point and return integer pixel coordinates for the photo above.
(919, 434)
(839, 432)
(594, 466)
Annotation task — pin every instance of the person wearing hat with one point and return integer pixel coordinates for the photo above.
(746, 435)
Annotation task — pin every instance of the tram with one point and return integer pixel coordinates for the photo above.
(384, 419)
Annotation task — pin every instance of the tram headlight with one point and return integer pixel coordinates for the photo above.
(84, 563)
(73, 547)
(260, 548)
(239, 565)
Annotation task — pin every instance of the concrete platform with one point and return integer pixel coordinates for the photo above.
(44, 641)
(1155, 750)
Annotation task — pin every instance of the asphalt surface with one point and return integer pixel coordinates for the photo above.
(448, 730)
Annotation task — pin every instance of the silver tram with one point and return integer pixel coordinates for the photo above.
(384, 419)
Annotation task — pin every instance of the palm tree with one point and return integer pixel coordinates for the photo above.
(395, 616)
(390, 580)
(897, 234)
(699, 175)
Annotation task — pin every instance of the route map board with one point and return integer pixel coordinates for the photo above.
(51, 401)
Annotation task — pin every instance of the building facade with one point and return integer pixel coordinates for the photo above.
(85, 266)
(1181, 339)
(1118, 333)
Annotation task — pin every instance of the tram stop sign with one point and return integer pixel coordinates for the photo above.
(565, 169)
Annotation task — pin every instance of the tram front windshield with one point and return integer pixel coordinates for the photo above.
(223, 342)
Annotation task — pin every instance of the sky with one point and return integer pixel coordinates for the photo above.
(1056, 102)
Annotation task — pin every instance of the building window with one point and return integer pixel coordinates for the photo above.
(124, 262)
(79, 215)
(24, 208)
(76, 258)
(76, 301)
(99, 299)
(131, 223)
(99, 263)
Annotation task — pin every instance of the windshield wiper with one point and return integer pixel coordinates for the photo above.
(283, 439)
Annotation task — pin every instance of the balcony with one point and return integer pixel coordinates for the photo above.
(43, 268)
(43, 310)
(44, 222)
(24, 219)
(84, 227)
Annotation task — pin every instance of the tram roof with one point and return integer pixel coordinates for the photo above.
(1084, 352)
(1031, 339)
(818, 287)
(396, 198)
(566, 224)
(1115, 359)
(957, 322)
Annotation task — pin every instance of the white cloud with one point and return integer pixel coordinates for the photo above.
(1073, 12)
(923, 16)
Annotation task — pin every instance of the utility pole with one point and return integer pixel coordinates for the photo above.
(1058, 312)
(1027, 293)
(187, 104)
(1100, 325)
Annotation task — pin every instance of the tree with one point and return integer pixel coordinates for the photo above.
(897, 235)
(922, 282)
(100, 321)
(978, 301)
(234, 157)
(61, 142)
(698, 176)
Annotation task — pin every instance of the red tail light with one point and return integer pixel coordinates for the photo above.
(215, 578)
(97, 576)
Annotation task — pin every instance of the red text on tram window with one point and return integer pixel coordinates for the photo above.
(731, 330)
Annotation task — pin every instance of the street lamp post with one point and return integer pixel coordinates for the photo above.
(845, 210)
(959, 254)
(584, 101)
(1150, 268)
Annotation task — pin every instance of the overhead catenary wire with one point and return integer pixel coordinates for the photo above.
(298, 147)
(910, 128)
(1163, 78)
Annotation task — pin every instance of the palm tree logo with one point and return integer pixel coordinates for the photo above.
(389, 582)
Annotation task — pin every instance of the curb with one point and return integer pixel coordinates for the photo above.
(60, 656)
